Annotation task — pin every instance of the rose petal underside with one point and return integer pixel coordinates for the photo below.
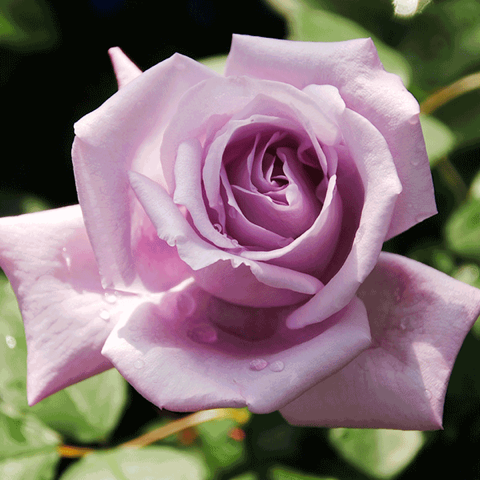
(419, 318)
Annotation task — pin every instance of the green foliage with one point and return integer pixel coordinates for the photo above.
(221, 451)
(152, 463)
(88, 411)
(280, 473)
(26, 24)
(27, 446)
(439, 139)
(462, 230)
(379, 453)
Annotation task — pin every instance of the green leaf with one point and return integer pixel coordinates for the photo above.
(87, 411)
(215, 63)
(152, 463)
(14, 203)
(307, 23)
(439, 139)
(280, 473)
(462, 230)
(378, 453)
(219, 448)
(13, 349)
(246, 476)
(27, 446)
(26, 24)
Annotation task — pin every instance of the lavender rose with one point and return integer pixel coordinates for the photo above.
(227, 246)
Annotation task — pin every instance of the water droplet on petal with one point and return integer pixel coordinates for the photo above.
(186, 304)
(235, 243)
(217, 227)
(170, 241)
(413, 120)
(203, 334)
(66, 256)
(258, 364)
(139, 364)
(277, 366)
(428, 394)
(11, 342)
(110, 297)
(105, 315)
(415, 161)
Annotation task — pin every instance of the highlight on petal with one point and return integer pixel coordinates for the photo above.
(192, 351)
(125, 133)
(255, 286)
(125, 69)
(354, 68)
(67, 314)
(419, 318)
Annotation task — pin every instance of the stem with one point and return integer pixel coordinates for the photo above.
(453, 179)
(241, 416)
(444, 95)
(68, 451)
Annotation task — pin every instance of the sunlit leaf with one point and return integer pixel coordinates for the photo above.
(220, 449)
(87, 411)
(216, 63)
(462, 230)
(280, 473)
(439, 139)
(378, 453)
(152, 463)
(27, 446)
(246, 476)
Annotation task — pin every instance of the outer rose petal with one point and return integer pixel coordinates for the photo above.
(124, 133)
(67, 314)
(355, 69)
(174, 354)
(419, 318)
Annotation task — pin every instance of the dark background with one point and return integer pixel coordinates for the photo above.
(49, 83)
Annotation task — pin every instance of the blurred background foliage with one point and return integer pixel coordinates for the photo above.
(54, 69)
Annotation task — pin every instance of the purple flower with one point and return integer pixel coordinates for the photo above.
(227, 246)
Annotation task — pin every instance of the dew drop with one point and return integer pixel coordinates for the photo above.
(413, 120)
(203, 334)
(258, 364)
(105, 315)
(235, 243)
(186, 304)
(415, 161)
(66, 257)
(428, 394)
(139, 364)
(110, 297)
(170, 241)
(217, 227)
(11, 342)
(232, 212)
(283, 242)
(277, 366)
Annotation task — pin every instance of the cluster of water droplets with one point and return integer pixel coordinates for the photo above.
(259, 364)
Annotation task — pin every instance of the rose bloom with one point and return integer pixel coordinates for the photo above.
(226, 251)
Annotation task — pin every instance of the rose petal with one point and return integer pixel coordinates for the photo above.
(355, 69)
(382, 187)
(126, 132)
(67, 314)
(220, 272)
(419, 318)
(174, 353)
(125, 69)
